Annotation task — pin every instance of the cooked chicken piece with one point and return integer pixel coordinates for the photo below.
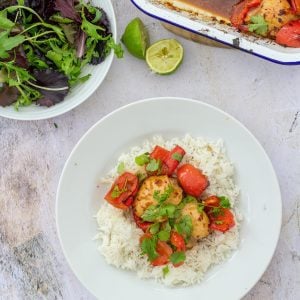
(275, 12)
(200, 220)
(144, 197)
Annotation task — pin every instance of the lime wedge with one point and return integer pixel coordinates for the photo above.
(135, 38)
(164, 56)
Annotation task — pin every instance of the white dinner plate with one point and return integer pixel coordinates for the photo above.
(78, 199)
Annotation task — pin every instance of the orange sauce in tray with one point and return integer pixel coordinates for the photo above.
(216, 7)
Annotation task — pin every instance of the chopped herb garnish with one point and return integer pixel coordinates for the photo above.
(224, 202)
(164, 235)
(177, 156)
(177, 257)
(166, 271)
(258, 25)
(142, 159)
(167, 210)
(184, 226)
(151, 213)
(154, 228)
(121, 167)
(200, 207)
(153, 165)
(141, 176)
(165, 195)
(116, 192)
(148, 247)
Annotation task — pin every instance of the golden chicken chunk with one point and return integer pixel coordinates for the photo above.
(200, 220)
(157, 184)
(275, 12)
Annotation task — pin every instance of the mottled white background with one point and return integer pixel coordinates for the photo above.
(262, 95)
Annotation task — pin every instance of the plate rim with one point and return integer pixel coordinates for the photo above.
(198, 102)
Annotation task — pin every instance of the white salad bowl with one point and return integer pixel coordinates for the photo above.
(78, 93)
(79, 199)
(260, 47)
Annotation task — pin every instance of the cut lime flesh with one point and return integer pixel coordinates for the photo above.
(164, 56)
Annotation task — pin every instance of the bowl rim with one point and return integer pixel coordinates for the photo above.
(45, 113)
(137, 4)
(140, 102)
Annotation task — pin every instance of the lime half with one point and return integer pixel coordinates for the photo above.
(164, 56)
(135, 38)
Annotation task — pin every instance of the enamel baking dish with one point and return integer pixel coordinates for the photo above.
(225, 34)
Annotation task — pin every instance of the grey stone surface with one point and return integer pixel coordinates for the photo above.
(262, 95)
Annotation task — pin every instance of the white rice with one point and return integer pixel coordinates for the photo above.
(119, 235)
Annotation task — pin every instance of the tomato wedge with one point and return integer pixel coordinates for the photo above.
(159, 153)
(289, 34)
(124, 187)
(168, 158)
(212, 201)
(164, 251)
(140, 223)
(177, 240)
(295, 6)
(192, 180)
(171, 161)
(222, 221)
(240, 11)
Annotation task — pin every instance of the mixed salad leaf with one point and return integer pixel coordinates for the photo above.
(45, 44)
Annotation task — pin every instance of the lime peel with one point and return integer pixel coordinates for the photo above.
(135, 38)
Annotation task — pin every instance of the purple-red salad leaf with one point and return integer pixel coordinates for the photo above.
(51, 80)
(67, 9)
(80, 44)
(8, 95)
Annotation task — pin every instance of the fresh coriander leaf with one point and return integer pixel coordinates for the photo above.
(177, 156)
(148, 247)
(164, 235)
(177, 257)
(142, 159)
(164, 196)
(141, 176)
(167, 210)
(184, 226)
(258, 25)
(116, 192)
(216, 211)
(151, 213)
(154, 228)
(153, 165)
(224, 202)
(121, 168)
(166, 271)
(200, 207)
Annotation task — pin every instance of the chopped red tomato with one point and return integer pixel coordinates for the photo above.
(212, 201)
(240, 11)
(295, 6)
(164, 251)
(169, 159)
(146, 235)
(124, 187)
(192, 180)
(289, 34)
(177, 240)
(174, 158)
(140, 223)
(159, 153)
(222, 221)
